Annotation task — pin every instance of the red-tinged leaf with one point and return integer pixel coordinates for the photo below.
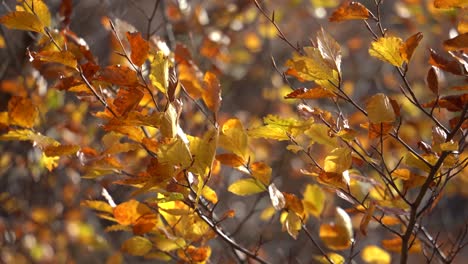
(459, 42)
(230, 159)
(139, 48)
(145, 224)
(456, 120)
(452, 103)
(349, 11)
(22, 20)
(61, 150)
(444, 64)
(450, 3)
(90, 69)
(62, 57)
(195, 255)
(294, 73)
(22, 112)
(293, 203)
(182, 54)
(314, 93)
(432, 79)
(410, 45)
(119, 75)
(378, 130)
(212, 92)
(65, 11)
(191, 79)
(127, 100)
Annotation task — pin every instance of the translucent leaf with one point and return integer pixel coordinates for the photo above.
(139, 48)
(210, 194)
(244, 187)
(457, 43)
(313, 93)
(366, 218)
(119, 75)
(166, 244)
(411, 160)
(334, 257)
(22, 112)
(212, 92)
(314, 200)
(137, 246)
(127, 99)
(394, 244)
(349, 11)
(312, 66)
(22, 20)
(127, 213)
(277, 198)
(338, 235)
(380, 109)
(292, 224)
(195, 254)
(61, 150)
(387, 49)
(159, 74)
(261, 172)
(203, 152)
(293, 204)
(329, 48)
(100, 206)
(410, 45)
(234, 137)
(338, 160)
(280, 128)
(64, 57)
(230, 159)
(145, 224)
(320, 133)
(269, 132)
(375, 255)
(450, 3)
(40, 9)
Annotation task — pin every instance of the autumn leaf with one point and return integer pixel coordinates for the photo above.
(321, 134)
(203, 151)
(388, 49)
(234, 138)
(22, 112)
(212, 92)
(312, 66)
(64, 57)
(338, 160)
(137, 246)
(366, 218)
(50, 162)
(39, 8)
(432, 79)
(329, 48)
(159, 73)
(195, 254)
(292, 224)
(277, 198)
(313, 93)
(375, 255)
(230, 159)
(139, 48)
(339, 234)
(127, 213)
(127, 99)
(450, 3)
(349, 11)
(22, 20)
(314, 200)
(459, 42)
(278, 128)
(408, 47)
(447, 65)
(261, 172)
(244, 187)
(119, 75)
(100, 206)
(380, 109)
(61, 150)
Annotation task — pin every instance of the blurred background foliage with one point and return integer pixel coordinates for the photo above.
(41, 219)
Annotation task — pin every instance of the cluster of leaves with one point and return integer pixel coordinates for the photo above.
(363, 152)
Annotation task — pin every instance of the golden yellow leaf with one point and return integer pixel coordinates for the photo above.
(450, 3)
(22, 20)
(137, 246)
(244, 187)
(292, 224)
(338, 235)
(98, 206)
(321, 134)
(312, 66)
(230, 159)
(380, 109)
(167, 244)
(22, 112)
(336, 258)
(338, 160)
(39, 8)
(175, 152)
(210, 194)
(234, 138)
(387, 49)
(203, 151)
(375, 255)
(49, 162)
(127, 213)
(314, 200)
(193, 254)
(159, 74)
(366, 218)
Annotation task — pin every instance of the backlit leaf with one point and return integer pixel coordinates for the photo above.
(329, 48)
(139, 48)
(279, 128)
(22, 112)
(293, 203)
(127, 99)
(380, 109)
(334, 257)
(40, 9)
(277, 198)
(100, 206)
(64, 57)
(450, 3)
(407, 49)
(137, 246)
(314, 200)
(50, 162)
(375, 255)
(234, 137)
(444, 64)
(61, 150)
(320, 133)
(349, 11)
(261, 172)
(230, 159)
(176, 152)
(169, 121)
(127, 213)
(246, 187)
(394, 244)
(203, 152)
(195, 254)
(339, 234)
(313, 93)
(212, 92)
(119, 75)
(338, 160)
(312, 66)
(387, 49)
(292, 224)
(366, 218)
(159, 74)
(22, 20)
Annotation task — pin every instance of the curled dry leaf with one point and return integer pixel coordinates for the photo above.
(349, 11)
(432, 80)
(459, 42)
(277, 198)
(313, 93)
(408, 47)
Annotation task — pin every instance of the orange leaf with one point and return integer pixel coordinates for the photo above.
(314, 93)
(61, 150)
(212, 92)
(128, 213)
(145, 224)
(139, 48)
(119, 75)
(293, 203)
(62, 57)
(127, 100)
(261, 172)
(193, 254)
(22, 112)
(349, 11)
(410, 45)
(230, 159)
(450, 3)
(459, 42)
(367, 217)
(452, 103)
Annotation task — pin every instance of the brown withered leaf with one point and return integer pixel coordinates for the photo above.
(432, 79)
(212, 92)
(444, 64)
(182, 54)
(230, 159)
(452, 103)
(65, 11)
(22, 112)
(408, 47)
(119, 75)
(61, 150)
(456, 120)
(90, 69)
(378, 130)
(139, 48)
(348, 11)
(127, 99)
(313, 93)
(459, 42)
